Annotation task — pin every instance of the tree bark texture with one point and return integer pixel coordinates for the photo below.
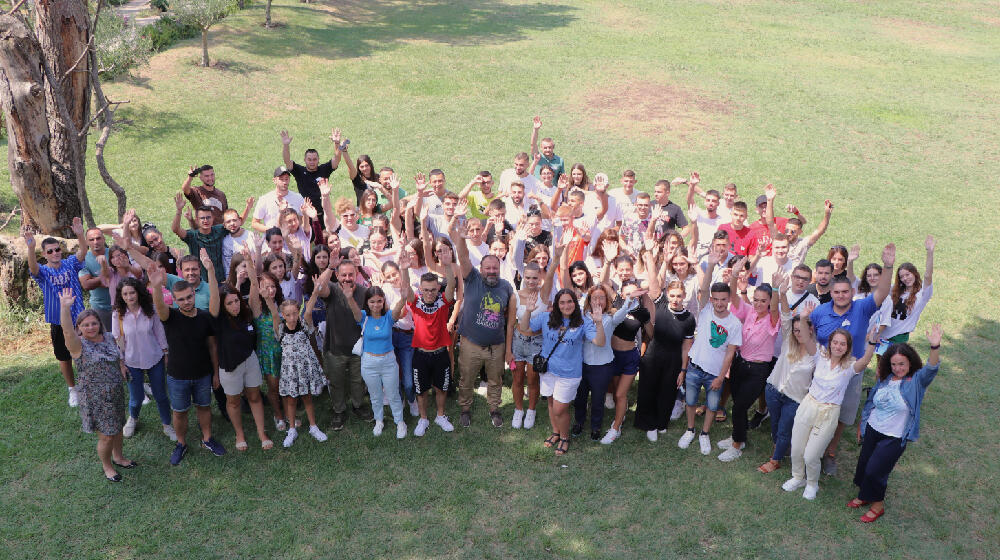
(41, 177)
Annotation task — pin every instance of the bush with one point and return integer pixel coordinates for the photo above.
(120, 46)
(117, 2)
(167, 31)
(161, 5)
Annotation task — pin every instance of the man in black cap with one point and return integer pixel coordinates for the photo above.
(205, 194)
(270, 204)
(307, 176)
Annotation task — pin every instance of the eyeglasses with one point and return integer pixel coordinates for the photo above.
(53, 250)
(349, 215)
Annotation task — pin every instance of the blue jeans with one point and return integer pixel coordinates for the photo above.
(594, 384)
(183, 391)
(157, 383)
(381, 375)
(782, 409)
(403, 345)
(695, 379)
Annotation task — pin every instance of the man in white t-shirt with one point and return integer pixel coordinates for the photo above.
(777, 260)
(709, 219)
(798, 246)
(434, 199)
(270, 205)
(718, 337)
(518, 173)
(625, 195)
(237, 240)
(516, 202)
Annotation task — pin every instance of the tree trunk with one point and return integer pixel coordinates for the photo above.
(40, 174)
(204, 47)
(267, 15)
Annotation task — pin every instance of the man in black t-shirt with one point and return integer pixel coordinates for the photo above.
(192, 361)
(666, 215)
(306, 176)
(821, 287)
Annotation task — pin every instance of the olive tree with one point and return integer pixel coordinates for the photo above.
(203, 14)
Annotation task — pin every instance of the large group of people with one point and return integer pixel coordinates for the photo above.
(391, 295)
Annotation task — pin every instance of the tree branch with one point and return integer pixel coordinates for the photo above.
(107, 114)
(107, 104)
(81, 57)
(16, 7)
(14, 212)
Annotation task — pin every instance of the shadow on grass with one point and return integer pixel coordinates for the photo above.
(356, 28)
(147, 123)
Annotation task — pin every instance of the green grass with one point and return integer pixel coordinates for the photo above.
(889, 109)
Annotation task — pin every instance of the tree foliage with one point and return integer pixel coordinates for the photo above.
(204, 14)
(120, 46)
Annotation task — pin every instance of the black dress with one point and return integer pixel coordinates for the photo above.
(660, 366)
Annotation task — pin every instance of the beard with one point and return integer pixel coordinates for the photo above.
(491, 280)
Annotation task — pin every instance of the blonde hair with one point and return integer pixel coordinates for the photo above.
(343, 204)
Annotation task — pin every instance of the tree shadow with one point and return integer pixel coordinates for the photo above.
(145, 123)
(357, 28)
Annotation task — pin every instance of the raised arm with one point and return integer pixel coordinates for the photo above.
(73, 344)
(934, 338)
(29, 242)
(852, 255)
(213, 286)
(157, 277)
(597, 316)
(652, 277)
(778, 279)
(175, 226)
(692, 186)
(251, 272)
(329, 216)
(872, 341)
(461, 240)
(186, 185)
(339, 150)
(81, 238)
(530, 304)
(311, 304)
(929, 244)
(804, 310)
(451, 282)
(467, 189)
(706, 279)
(770, 193)
(884, 282)
(821, 229)
(536, 124)
(286, 149)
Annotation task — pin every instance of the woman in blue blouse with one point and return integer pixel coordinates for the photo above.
(891, 418)
(564, 331)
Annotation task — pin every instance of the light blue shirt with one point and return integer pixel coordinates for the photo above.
(567, 359)
(594, 355)
(377, 333)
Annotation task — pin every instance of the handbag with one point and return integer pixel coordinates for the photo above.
(360, 344)
(540, 364)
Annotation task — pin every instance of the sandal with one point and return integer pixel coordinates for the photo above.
(720, 415)
(551, 440)
(856, 503)
(700, 411)
(241, 446)
(129, 465)
(563, 446)
(770, 466)
(871, 516)
(266, 444)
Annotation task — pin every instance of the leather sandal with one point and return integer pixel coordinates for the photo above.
(563, 446)
(551, 440)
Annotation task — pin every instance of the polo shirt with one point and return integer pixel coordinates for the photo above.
(201, 292)
(854, 320)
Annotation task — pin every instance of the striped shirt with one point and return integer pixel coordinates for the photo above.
(53, 280)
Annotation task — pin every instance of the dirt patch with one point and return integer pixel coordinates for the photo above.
(31, 341)
(923, 35)
(657, 109)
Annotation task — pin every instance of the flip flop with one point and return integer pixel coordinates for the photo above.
(563, 447)
(720, 415)
(700, 411)
(266, 444)
(241, 446)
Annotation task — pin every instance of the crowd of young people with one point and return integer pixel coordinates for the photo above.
(574, 287)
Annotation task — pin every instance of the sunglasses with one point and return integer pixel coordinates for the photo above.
(53, 250)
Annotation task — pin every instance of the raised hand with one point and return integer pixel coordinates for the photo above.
(77, 226)
(250, 201)
(610, 249)
(100, 260)
(188, 215)
(404, 259)
(536, 122)
(335, 136)
(206, 261)
(393, 182)
(740, 264)
(179, 201)
(462, 208)
(806, 308)
(778, 278)
(324, 186)
(66, 298)
(29, 240)
(308, 209)
(934, 335)
(648, 241)
(285, 138)
(713, 259)
(317, 284)
(563, 182)
(770, 192)
(538, 157)
(421, 183)
(929, 243)
(600, 182)
(792, 209)
(157, 276)
(828, 206)
(854, 252)
(694, 179)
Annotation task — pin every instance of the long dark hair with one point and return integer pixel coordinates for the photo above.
(312, 269)
(371, 292)
(580, 265)
(556, 316)
(371, 166)
(279, 296)
(241, 318)
(901, 308)
(863, 286)
(145, 299)
(904, 349)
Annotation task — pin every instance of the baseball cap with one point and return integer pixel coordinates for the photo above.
(281, 170)
(761, 200)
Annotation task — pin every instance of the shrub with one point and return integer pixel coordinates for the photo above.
(161, 5)
(120, 46)
(167, 31)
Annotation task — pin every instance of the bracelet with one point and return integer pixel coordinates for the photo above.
(935, 347)
(872, 343)
(684, 370)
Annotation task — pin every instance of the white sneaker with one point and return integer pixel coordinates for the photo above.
(290, 438)
(168, 430)
(810, 492)
(377, 430)
(74, 398)
(793, 484)
(730, 454)
(651, 435)
(147, 390)
(401, 430)
(725, 443)
(280, 425)
(705, 443)
(414, 409)
(444, 423)
(686, 439)
(678, 410)
(609, 401)
(421, 428)
(611, 436)
(529, 419)
(481, 388)
(129, 429)
(315, 432)
(145, 400)
(663, 431)
(518, 419)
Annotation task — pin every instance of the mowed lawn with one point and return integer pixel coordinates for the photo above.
(888, 109)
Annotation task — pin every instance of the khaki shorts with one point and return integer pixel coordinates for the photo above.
(245, 375)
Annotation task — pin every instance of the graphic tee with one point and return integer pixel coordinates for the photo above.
(713, 338)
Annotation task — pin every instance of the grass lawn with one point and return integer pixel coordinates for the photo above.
(887, 108)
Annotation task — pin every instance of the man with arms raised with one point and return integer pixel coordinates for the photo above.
(307, 176)
(270, 204)
(205, 194)
(548, 152)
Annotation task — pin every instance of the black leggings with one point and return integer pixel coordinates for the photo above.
(746, 381)
(657, 393)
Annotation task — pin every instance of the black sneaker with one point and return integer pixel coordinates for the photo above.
(338, 421)
(364, 414)
(177, 456)
(577, 430)
(465, 420)
(757, 419)
(496, 418)
(595, 435)
(214, 446)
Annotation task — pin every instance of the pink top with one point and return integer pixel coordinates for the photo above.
(144, 340)
(758, 334)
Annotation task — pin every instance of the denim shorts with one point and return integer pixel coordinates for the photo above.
(183, 391)
(626, 362)
(695, 379)
(524, 348)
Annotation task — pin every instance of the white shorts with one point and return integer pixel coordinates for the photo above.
(562, 389)
(245, 375)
